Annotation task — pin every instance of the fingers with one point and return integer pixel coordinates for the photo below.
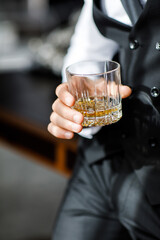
(66, 112)
(59, 132)
(65, 124)
(64, 95)
(63, 128)
(64, 121)
(125, 91)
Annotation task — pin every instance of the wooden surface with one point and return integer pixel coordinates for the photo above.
(25, 107)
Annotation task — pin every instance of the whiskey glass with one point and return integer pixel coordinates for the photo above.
(95, 87)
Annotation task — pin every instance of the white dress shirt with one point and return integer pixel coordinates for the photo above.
(87, 43)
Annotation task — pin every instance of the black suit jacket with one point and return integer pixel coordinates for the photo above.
(137, 134)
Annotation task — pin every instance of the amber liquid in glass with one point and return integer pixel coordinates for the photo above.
(98, 111)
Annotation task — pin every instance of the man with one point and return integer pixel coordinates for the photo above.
(114, 192)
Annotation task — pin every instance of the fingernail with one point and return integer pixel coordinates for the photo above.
(68, 135)
(68, 101)
(76, 128)
(77, 119)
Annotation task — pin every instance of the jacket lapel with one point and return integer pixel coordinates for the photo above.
(133, 9)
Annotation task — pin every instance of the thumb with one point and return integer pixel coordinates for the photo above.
(125, 91)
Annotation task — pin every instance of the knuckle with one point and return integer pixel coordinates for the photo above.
(61, 88)
(49, 127)
(54, 105)
(54, 130)
(57, 90)
(53, 118)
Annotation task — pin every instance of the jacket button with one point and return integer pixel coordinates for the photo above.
(158, 46)
(133, 44)
(154, 92)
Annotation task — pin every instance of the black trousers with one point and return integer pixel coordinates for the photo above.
(105, 201)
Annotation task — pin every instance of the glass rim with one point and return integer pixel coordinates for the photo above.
(92, 74)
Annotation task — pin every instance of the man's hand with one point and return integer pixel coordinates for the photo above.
(65, 121)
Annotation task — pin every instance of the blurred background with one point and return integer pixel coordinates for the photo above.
(34, 166)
